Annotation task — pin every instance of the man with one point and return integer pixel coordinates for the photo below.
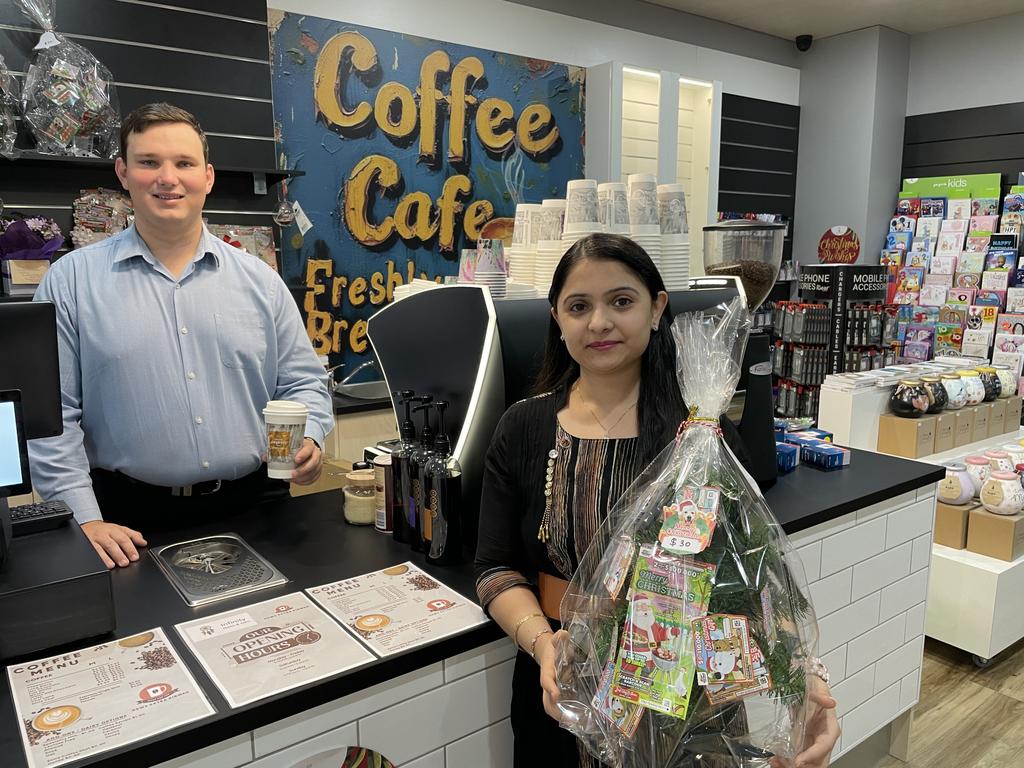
(171, 343)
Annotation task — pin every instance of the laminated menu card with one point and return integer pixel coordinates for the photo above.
(81, 703)
(266, 648)
(398, 608)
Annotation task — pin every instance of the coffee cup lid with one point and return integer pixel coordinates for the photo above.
(286, 407)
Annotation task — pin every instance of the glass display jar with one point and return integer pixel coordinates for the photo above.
(909, 399)
(991, 381)
(1002, 494)
(1006, 379)
(956, 487)
(973, 386)
(360, 498)
(979, 469)
(954, 385)
(937, 397)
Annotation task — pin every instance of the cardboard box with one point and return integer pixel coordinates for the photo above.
(945, 431)
(825, 455)
(982, 416)
(998, 536)
(1013, 413)
(787, 457)
(951, 524)
(910, 438)
(997, 419)
(964, 426)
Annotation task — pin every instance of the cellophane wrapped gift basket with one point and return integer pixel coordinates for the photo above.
(69, 100)
(690, 632)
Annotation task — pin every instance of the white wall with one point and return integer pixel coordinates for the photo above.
(837, 102)
(510, 28)
(972, 65)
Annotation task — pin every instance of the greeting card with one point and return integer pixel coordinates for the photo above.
(908, 206)
(1015, 300)
(935, 278)
(899, 241)
(928, 226)
(1010, 323)
(950, 243)
(943, 264)
(984, 206)
(987, 223)
(976, 243)
(891, 258)
(1011, 222)
(957, 208)
(981, 317)
(932, 296)
(990, 298)
(995, 280)
(954, 225)
(970, 262)
(953, 314)
(916, 259)
(967, 280)
(933, 206)
(903, 224)
(960, 296)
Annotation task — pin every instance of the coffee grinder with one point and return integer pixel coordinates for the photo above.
(751, 252)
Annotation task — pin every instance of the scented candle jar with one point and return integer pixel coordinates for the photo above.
(1002, 494)
(973, 386)
(909, 399)
(1015, 451)
(1000, 461)
(954, 386)
(956, 487)
(937, 397)
(1007, 379)
(991, 382)
(978, 468)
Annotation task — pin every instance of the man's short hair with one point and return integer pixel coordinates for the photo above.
(143, 117)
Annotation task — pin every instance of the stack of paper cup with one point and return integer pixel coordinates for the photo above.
(552, 219)
(613, 207)
(644, 227)
(675, 235)
(581, 209)
(490, 267)
(549, 253)
(521, 253)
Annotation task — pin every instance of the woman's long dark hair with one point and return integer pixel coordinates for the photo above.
(660, 405)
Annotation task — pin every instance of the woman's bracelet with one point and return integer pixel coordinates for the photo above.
(817, 667)
(533, 643)
(515, 632)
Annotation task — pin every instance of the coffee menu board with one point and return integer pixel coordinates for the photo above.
(269, 647)
(95, 699)
(398, 608)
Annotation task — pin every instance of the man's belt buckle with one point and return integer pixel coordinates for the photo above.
(187, 490)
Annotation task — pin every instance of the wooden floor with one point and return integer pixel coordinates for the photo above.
(967, 717)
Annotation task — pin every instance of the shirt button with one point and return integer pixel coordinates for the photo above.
(206, 465)
(184, 330)
(199, 419)
(191, 375)
(177, 286)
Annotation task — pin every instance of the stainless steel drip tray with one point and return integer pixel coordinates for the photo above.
(215, 568)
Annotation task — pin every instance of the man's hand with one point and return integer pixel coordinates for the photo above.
(308, 463)
(114, 543)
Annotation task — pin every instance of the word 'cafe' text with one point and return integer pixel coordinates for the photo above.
(324, 329)
(400, 114)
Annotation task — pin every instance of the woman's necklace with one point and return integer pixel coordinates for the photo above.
(607, 430)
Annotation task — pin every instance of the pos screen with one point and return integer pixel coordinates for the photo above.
(14, 474)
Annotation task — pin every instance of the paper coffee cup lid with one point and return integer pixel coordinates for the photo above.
(286, 407)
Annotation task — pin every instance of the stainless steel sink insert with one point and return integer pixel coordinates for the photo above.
(215, 568)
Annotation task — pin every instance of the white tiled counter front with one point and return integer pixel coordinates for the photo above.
(868, 574)
(453, 714)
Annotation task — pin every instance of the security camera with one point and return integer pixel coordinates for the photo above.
(803, 42)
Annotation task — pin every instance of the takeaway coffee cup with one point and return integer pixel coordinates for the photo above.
(286, 427)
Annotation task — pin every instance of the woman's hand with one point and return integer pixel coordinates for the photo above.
(545, 653)
(821, 731)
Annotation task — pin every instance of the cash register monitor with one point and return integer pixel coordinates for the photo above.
(28, 362)
(14, 473)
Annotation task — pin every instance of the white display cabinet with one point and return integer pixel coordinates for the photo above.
(665, 123)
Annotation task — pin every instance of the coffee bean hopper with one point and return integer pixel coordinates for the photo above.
(751, 253)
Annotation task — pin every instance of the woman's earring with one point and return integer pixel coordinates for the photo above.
(654, 329)
(562, 338)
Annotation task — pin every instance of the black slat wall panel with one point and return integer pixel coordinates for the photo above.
(151, 25)
(210, 57)
(965, 141)
(757, 159)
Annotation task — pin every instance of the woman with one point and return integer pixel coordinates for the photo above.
(560, 460)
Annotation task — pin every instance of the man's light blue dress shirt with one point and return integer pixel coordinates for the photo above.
(165, 379)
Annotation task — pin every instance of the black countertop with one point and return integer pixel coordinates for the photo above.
(307, 539)
(345, 405)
